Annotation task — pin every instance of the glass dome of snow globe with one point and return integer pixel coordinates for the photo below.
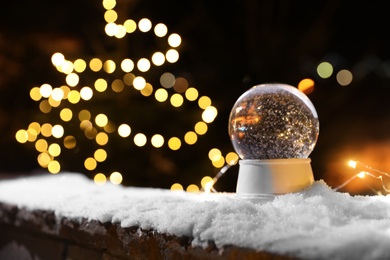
(273, 128)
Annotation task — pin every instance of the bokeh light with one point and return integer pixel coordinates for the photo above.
(90, 163)
(176, 187)
(116, 178)
(58, 101)
(344, 77)
(144, 25)
(127, 65)
(57, 59)
(130, 25)
(192, 188)
(201, 128)
(174, 143)
(176, 100)
(157, 140)
(174, 40)
(209, 114)
(172, 56)
(95, 64)
(100, 179)
(124, 130)
(161, 95)
(143, 65)
(190, 137)
(325, 70)
(160, 30)
(140, 139)
(306, 86)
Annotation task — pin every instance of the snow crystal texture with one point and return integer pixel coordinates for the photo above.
(317, 223)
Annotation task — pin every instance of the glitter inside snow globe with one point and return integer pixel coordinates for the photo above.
(273, 128)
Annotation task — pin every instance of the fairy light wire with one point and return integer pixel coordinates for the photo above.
(368, 172)
(219, 175)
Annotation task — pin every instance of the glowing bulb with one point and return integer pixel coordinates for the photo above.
(172, 55)
(116, 178)
(57, 59)
(361, 175)
(174, 40)
(143, 65)
(45, 90)
(352, 164)
(127, 65)
(100, 179)
(158, 58)
(160, 30)
(144, 25)
(273, 128)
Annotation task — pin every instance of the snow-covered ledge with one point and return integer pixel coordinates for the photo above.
(67, 216)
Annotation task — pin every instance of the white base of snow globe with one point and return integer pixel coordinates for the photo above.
(266, 178)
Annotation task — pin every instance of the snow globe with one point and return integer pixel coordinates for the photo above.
(273, 128)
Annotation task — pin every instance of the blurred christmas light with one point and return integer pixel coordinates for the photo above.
(204, 102)
(325, 70)
(72, 79)
(139, 83)
(109, 66)
(110, 16)
(144, 25)
(180, 85)
(191, 94)
(54, 167)
(176, 100)
(100, 179)
(143, 65)
(79, 65)
(190, 137)
(45, 90)
(306, 86)
(209, 114)
(127, 65)
(109, 4)
(167, 80)
(161, 95)
(95, 64)
(57, 59)
(176, 187)
(160, 30)
(172, 56)
(192, 188)
(201, 128)
(344, 77)
(130, 25)
(116, 178)
(124, 130)
(157, 140)
(140, 139)
(35, 94)
(60, 101)
(174, 143)
(174, 40)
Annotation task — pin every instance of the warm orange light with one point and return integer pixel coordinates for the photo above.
(352, 164)
(361, 175)
(306, 86)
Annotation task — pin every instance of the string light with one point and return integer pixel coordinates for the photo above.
(207, 183)
(364, 170)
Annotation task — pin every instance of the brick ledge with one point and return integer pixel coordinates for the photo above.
(41, 235)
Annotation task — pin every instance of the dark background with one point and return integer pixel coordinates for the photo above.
(227, 48)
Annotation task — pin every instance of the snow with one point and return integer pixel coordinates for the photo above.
(317, 223)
